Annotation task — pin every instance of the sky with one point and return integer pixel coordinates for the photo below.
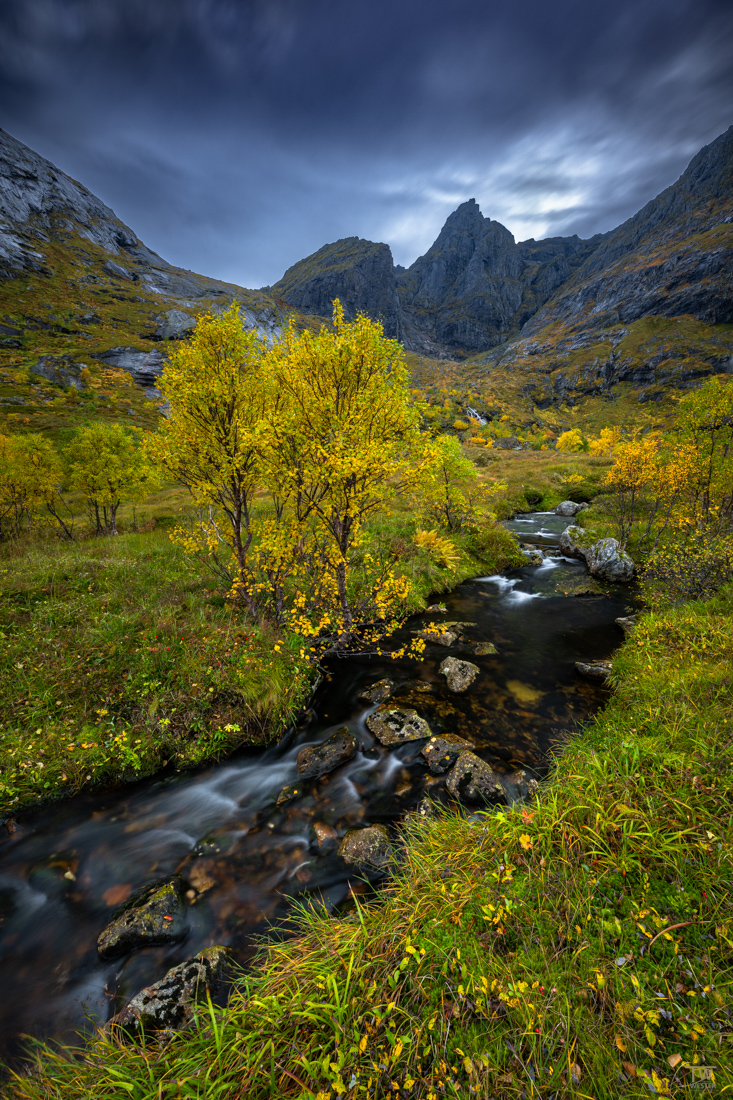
(237, 136)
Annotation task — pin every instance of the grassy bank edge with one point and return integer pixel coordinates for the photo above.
(582, 946)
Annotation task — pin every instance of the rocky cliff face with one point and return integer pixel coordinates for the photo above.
(475, 286)
(78, 286)
(359, 273)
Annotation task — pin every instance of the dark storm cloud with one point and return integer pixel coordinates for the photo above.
(236, 136)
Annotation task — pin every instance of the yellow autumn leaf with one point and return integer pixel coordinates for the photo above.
(362, 1044)
(674, 1060)
(525, 841)
(620, 1043)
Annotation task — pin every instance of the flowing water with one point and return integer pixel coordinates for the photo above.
(242, 858)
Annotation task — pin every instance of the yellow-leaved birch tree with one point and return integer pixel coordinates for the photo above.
(344, 442)
(217, 386)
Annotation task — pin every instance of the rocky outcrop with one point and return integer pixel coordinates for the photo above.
(154, 915)
(173, 324)
(472, 780)
(169, 1005)
(316, 760)
(369, 848)
(605, 559)
(145, 367)
(359, 273)
(459, 674)
(397, 725)
(62, 370)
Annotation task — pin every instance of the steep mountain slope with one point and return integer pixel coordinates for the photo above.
(359, 273)
(651, 306)
(77, 288)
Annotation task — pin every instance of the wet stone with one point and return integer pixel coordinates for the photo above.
(153, 915)
(472, 780)
(459, 674)
(598, 671)
(378, 692)
(326, 835)
(369, 847)
(484, 649)
(169, 1004)
(436, 609)
(317, 760)
(396, 725)
(520, 786)
(534, 557)
(627, 623)
(290, 792)
(441, 752)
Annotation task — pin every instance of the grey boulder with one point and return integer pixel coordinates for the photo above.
(369, 847)
(169, 1004)
(569, 508)
(605, 559)
(316, 760)
(459, 674)
(396, 725)
(472, 780)
(154, 915)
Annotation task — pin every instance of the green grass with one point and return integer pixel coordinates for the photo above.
(581, 947)
(118, 656)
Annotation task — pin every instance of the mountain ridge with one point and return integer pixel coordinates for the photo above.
(476, 288)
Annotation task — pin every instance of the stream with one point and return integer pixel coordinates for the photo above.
(244, 859)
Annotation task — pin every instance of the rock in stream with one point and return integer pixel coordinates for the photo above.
(169, 1004)
(154, 915)
(472, 780)
(316, 760)
(397, 724)
(459, 674)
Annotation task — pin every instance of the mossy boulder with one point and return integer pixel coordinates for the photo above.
(378, 692)
(154, 915)
(369, 848)
(441, 752)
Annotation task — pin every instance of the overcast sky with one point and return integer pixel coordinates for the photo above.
(237, 136)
